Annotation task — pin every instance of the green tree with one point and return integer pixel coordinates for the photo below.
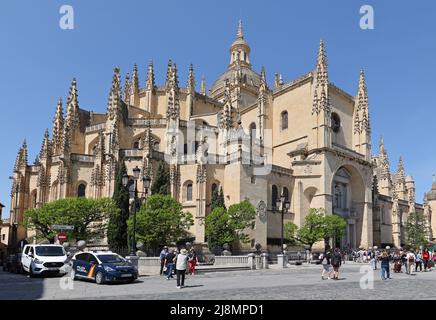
(229, 226)
(218, 229)
(334, 227)
(88, 217)
(416, 230)
(217, 199)
(161, 184)
(160, 220)
(117, 227)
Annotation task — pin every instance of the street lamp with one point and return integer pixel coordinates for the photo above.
(146, 180)
(285, 205)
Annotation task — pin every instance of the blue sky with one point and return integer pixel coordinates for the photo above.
(38, 60)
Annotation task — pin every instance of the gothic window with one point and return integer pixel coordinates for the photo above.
(189, 192)
(34, 197)
(81, 191)
(284, 120)
(274, 196)
(214, 187)
(338, 197)
(336, 122)
(136, 145)
(286, 193)
(94, 149)
(156, 146)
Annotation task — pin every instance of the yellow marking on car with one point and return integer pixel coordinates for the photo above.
(91, 271)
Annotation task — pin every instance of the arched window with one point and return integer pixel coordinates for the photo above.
(286, 193)
(34, 199)
(274, 196)
(336, 122)
(252, 130)
(81, 190)
(338, 197)
(189, 192)
(136, 145)
(214, 187)
(156, 146)
(284, 120)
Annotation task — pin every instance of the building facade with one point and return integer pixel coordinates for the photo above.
(305, 139)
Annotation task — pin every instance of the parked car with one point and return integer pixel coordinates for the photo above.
(102, 267)
(38, 259)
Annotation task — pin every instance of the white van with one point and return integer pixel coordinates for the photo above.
(43, 258)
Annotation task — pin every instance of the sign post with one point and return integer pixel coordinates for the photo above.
(62, 227)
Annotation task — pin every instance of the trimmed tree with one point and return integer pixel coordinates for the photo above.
(117, 227)
(159, 221)
(161, 183)
(88, 217)
(217, 199)
(416, 230)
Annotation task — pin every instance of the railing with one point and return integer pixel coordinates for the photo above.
(231, 260)
(96, 127)
(83, 158)
(132, 152)
(146, 122)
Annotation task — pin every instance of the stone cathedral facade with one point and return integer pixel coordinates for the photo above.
(306, 139)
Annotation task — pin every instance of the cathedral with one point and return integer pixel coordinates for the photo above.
(305, 140)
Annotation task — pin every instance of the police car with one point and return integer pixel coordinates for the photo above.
(102, 267)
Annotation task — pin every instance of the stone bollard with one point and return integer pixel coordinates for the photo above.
(251, 262)
(282, 260)
(265, 260)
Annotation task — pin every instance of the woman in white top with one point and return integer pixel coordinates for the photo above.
(181, 266)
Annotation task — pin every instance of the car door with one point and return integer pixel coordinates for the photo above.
(80, 264)
(25, 258)
(92, 265)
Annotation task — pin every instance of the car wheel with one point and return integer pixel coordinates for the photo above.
(99, 278)
(73, 274)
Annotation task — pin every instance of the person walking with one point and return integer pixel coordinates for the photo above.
(403, 255)
(169, 262)
(384, 265)
(162, 256)
(418, 262)
(326, 263)
(181, 266)
(426, 259)
(410, 257)
(397, 262)
(192, 261)
(336, 263)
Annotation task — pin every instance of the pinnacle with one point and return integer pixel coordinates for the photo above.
(240, 33)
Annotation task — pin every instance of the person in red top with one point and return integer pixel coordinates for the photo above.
(425, 258)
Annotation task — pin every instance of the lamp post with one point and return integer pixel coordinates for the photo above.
(285, 205)
(146, 181)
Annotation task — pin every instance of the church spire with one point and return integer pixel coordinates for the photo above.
(72, 117)
(45, 147)
(58, 128)
(150, 76)
(113, 107)
(23, 160)
(203, 86)
(127, 89)
(191, 79)
(169, 74)
(400, 171)
(322, 65)
(240, 50)
(135, 81)
(381, 146)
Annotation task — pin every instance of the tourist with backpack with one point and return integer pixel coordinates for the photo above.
(326, 263)
(411, 259)
(169, 262)
(336, 262)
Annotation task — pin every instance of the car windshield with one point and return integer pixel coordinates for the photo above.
(111, 258)
(49, 251)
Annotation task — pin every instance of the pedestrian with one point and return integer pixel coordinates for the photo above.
(326, 263)
(181, 266)
(426, 259)
(162, 256)
(403, 255)
(418, 262)
(410, 257)
(169, 262)
(384, 265)
(192, 261)
(397, 262)
(336, 262)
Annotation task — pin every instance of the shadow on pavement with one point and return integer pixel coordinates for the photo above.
(20, 286)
